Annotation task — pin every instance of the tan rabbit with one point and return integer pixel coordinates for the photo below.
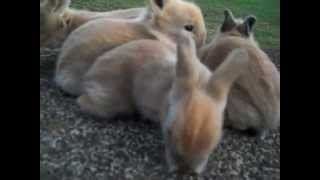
(87, 43)
(254, 102)
(174, 90)
(58, 20)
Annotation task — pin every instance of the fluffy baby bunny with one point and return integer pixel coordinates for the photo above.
(175, 90)
(87, 43)
(254, 102)
(57, 20)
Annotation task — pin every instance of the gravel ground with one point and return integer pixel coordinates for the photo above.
(76, 146)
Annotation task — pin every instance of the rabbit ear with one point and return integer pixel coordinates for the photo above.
(223, 78)
(156, 6)
(56, 6)
(229, 21)
(248, 24)
(187, 68)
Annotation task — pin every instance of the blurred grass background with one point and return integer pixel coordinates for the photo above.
(267, 29)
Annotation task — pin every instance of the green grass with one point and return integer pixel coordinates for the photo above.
(267, 29)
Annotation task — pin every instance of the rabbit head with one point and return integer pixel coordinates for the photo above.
(172, 16)
(237, 26)
(193, 126)
(52, 25)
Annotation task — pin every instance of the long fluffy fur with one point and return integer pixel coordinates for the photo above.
(254, 102)
(91, 40)
(168, 85)
(58, 20)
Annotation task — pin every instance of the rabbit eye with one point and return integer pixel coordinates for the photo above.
(189, 28)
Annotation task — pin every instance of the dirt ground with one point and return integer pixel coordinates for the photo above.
(75, 146)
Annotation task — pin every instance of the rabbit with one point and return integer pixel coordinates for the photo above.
(169, 85)
(254, 102)
(58, 20)
(87, 43)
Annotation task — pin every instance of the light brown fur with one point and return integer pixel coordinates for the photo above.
(91, 40)
(254, 101)
(176, 91)
(194, 129)
(109, 82)
(56, 25)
